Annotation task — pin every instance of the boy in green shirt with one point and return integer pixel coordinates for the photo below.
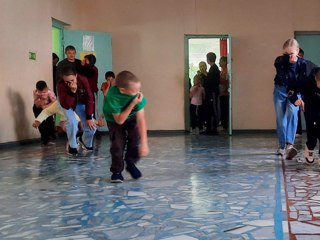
(123, 109)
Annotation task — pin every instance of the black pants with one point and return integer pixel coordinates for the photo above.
(210, 110)
(46, 128)
(196, 116)
(125, 140)
(224, 110)
(313, 129)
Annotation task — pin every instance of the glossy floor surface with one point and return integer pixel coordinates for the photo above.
(193, 187)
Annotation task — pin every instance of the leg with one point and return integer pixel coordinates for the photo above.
(118, 139)
(71, 127)
(193, 116)
(292, 122)
(132, 153)
(280, 105)
(88, 133)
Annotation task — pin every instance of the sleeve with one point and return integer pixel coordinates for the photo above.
(52, 96)
(89, 99)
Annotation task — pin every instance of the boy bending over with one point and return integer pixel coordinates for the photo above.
(124, 112)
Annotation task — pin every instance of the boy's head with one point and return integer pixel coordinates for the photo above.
(70, 52)
(41, 85)
(128, 83)
(211, 58)
(110, 77)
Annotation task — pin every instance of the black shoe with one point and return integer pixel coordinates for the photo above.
(89, 149)
(133, 170)
(116, 178)
(72, 151)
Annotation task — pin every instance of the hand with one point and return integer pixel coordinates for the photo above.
(143, 150)
(73, 87)
(91, 123)
(36, 124)
(138, 98)
(300, 103)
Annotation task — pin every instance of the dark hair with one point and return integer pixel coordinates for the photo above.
(55, 56)
(67, 71)
(69, 47)
(211, 56)
(91, 58)
(41, 85)
(124, 79)
(109, 74)
(301, 52)
(316, 73)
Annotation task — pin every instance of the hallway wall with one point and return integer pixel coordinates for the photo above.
(148, 39)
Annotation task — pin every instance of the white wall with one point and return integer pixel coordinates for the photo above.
(148, 39)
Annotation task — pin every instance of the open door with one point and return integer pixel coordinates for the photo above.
(97, 43)
(202, 44)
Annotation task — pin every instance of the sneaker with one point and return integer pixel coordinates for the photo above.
(308, 155)
(291, 152)
(133, 170)
(83, 145)
(72, 151)
(281, 152)
(116, 178)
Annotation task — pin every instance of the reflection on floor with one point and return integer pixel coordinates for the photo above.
(193, 187)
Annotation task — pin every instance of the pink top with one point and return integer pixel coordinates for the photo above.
(43, 98)
(198, 95)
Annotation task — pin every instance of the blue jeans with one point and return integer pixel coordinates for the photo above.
(72, 126)
(286, 116)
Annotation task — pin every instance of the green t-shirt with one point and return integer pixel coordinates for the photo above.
(115, 102)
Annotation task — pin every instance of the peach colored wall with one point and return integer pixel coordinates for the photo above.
(25, 26)
(148, 38)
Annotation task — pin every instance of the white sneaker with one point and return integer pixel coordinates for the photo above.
(291, 152)
(308, 155)
(281, 152)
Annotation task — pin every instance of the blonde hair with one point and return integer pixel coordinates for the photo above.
(291, 42)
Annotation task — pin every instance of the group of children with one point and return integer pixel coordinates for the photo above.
(198, 96)
(123, 110)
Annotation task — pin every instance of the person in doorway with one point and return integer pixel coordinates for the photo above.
(202, 72)
(75, 96)
(290, 72)
(124, 112)
(55, 60)
(43, 98)
(224, 92)
(197, 95)
(211, 86)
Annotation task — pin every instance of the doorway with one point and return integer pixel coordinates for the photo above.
(196, 48)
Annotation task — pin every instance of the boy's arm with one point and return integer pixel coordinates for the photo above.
(142, 129)
(120, 118)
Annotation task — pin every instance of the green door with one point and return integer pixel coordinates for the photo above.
(98, 43)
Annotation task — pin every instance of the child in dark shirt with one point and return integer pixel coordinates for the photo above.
(124, 112)
(311, 107)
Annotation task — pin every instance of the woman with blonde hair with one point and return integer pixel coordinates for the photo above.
(290, 72)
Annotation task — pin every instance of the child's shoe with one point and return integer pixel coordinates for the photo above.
(281, 152)
(89, 149)
(133, 170)
(291, 152)
(116, 178)
(72, 151)
(308, 155)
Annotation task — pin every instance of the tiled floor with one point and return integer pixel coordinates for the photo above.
(193, 187)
